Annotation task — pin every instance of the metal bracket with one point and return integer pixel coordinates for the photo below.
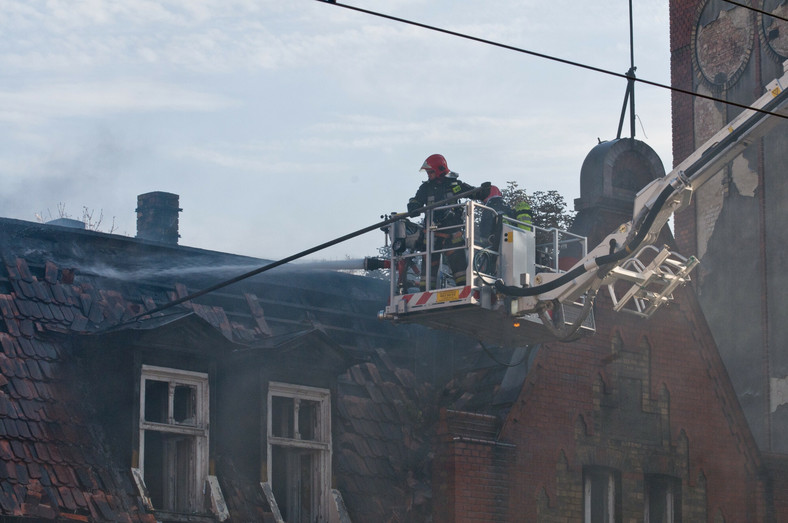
(652, 284)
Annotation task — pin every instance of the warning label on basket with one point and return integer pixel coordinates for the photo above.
(449, 295)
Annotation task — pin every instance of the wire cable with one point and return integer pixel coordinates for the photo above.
(551, 58)
(751, 8)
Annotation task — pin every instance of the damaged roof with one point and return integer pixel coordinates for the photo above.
(59, 284)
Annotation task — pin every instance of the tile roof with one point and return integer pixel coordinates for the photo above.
(53, 457)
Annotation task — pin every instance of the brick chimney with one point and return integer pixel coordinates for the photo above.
(157, 217)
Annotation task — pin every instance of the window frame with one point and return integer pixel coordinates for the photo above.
(320, 446)
(197, 430)
(670, 487)
(612, 492)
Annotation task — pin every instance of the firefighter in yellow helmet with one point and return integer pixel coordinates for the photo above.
(523, 213)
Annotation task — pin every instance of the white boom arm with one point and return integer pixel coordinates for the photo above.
(616, 257)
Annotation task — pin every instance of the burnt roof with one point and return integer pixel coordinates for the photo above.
(59, 285)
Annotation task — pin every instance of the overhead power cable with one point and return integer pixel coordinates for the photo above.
(751, 8)
(550, 57)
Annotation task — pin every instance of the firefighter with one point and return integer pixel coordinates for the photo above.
(490, 222)
(523, 213)
(442, 184)
(489, 231)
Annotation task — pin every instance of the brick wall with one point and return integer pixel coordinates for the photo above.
(469, 471)
(640, 397)
(682, 18)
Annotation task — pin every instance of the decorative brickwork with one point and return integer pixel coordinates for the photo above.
(640, 397)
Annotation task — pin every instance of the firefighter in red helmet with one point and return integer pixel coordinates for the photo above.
(441, 185)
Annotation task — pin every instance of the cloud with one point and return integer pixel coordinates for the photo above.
(93, 99)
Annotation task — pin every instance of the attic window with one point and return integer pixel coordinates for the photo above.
(299, 450)
(173, 439)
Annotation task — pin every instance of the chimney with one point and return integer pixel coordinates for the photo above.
(157, 217)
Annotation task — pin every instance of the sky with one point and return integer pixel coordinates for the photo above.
(283, 125)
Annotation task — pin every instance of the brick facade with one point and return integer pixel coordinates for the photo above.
(641, 398)
(470, 475)
(735, 223)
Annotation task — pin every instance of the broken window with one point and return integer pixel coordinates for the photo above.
(601, 495)
(299, 451)
(663, 499)
(173, 439)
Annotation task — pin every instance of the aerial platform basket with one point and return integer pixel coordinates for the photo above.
(494, 248)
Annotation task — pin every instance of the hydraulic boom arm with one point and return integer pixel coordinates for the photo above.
(654, 205)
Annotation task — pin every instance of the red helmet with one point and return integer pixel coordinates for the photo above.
(436, 166)
(495, 192)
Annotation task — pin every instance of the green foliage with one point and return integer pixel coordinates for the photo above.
(549, 207)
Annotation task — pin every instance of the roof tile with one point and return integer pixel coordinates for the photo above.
(54, 453)
(96, 314)
(8, 500)
(33, 369)
(100, 501)
(53, 498)
(44, 349)
(31, 409)
(36, 432)
(27, 348)
(22, 428)
(10, 427)
(79, 498)
(66, 312)
(68, 498)
(23, 270)
(10, 469)
(50, 272)
(21, 473)
(20, 370)
(34, 470)
(7, 366)
(46, 311)
(46, 475)
(42, 450)
(56, 310)
(46, 369)
(26, 289)
(44, 390)
(6, 406)
(27, 308)
(26, 327)
(64, 475)
(13, 327)
(24, 387)
(59, 294)
(5, 450)
(80, 322)
(86, 479)
(7, 306)
(42, 291)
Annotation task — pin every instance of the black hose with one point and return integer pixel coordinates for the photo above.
(415, 212)
(511, 290)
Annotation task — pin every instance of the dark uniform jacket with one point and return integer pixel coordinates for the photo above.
(437, 190)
